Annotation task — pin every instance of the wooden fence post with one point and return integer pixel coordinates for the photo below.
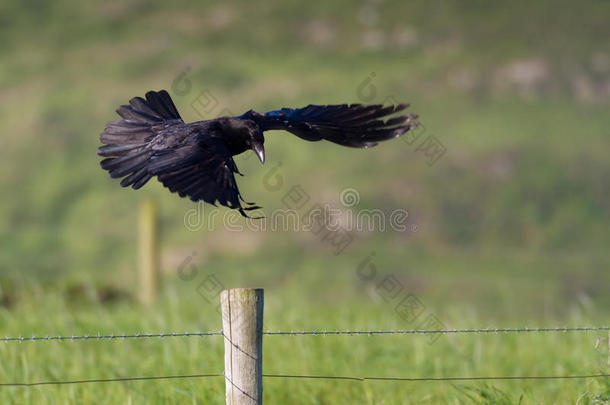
(242, 326)
(148, 254)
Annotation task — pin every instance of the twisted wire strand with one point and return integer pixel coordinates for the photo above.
(316, 377)
(108, 380)
(432, 379)
(305, 333)
(111, 336)
(442, 331)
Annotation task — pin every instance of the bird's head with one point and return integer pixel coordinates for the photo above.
(246, 133)
(256, 140)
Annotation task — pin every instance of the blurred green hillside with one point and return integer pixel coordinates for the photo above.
(517, 95)
(510, 225)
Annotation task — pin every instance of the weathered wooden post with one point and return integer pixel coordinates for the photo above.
(148, 254)
(242, 326)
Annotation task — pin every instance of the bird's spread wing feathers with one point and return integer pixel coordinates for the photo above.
(354, 125)
(203, 172)
(135, 150)
(127, 146)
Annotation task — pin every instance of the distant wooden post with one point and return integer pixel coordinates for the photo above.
(148, 255)
(242, 326)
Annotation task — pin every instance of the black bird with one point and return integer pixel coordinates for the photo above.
(196, 159)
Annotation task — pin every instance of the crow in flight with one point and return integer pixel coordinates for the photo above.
(196, 159)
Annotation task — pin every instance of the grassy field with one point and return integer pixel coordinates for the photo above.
(509, 228)
(341, 301)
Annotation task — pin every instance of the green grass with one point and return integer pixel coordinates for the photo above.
(512, 222)
(501, 296)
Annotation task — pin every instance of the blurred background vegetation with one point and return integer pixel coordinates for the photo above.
(511, 225)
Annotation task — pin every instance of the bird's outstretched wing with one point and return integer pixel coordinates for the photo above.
(151, 140)
(354, 125)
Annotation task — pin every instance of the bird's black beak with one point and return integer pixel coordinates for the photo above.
(259, 149)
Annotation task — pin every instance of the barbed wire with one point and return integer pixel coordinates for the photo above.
(307, 332)
(316, 377)
(442, 331)
(111, 336)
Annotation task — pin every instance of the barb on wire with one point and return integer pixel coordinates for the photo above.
(236, 346)
(239, 389)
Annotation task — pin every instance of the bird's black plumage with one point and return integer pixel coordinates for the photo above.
(196, 159)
